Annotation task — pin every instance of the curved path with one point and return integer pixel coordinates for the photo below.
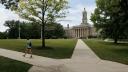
(83, 60)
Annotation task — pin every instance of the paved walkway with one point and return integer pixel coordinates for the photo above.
(40, 64)
(83, 60)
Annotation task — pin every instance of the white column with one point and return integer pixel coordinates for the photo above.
(78, 33)
(87, 33)
(81, 32)
(84, 32)
(75, 33)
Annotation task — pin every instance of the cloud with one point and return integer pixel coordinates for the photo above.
(73, 18)
(5, 15)
(75, 12)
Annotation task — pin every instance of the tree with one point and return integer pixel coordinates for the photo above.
(124, 10)
(108, 17)
(10, 4)
(13, 28)
(32, 30)
(3, 35)
(27, 29)
(54, 30)
(42, 12)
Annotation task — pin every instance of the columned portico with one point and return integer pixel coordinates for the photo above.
(81, 32)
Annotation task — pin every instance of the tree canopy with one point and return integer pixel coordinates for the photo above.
(110, 18)
(32, 10)
(10, 4)
(31, 30)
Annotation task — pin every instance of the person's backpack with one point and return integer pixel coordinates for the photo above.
(30, 44)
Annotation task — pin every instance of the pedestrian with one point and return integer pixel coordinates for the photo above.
(28, 48)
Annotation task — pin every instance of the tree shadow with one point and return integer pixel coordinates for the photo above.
(121, 51)
(112, 43)
(40, 48)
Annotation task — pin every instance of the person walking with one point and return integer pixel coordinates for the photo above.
(28, 48)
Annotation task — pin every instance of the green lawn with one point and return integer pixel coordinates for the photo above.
(56, 48)
(109, 51)
(9, 65)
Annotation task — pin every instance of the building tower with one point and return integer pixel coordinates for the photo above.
(84, 18)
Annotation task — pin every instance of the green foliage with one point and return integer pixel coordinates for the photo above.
(13, 28)
(54, 30)
(10, 4)
(32, 30)
(32, 10)
(3, 35)
(26, 29)
(109, 17)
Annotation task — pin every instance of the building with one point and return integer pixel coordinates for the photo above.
(84, 30)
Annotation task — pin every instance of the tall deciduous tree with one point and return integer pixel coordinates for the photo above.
(54, 30)
(26, 29)
(42, 12)
(13, 28)
(109, 18)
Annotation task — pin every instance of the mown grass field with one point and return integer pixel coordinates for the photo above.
(109, 50)
(9, 65)
(55, 48)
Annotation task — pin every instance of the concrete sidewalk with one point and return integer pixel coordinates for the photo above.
(83, 60)
(40, 64)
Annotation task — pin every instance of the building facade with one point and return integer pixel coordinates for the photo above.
(84, 30)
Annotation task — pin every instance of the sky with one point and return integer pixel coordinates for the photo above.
(74, 17)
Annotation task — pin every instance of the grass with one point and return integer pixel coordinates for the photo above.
(109, 50)
(9, 65)
(56, 48)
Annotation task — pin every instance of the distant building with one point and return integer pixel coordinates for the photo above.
(84, 30)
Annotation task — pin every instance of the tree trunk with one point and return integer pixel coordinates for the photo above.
(43, 27)
(115, 40)
(43, 35)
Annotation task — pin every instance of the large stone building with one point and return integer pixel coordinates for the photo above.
(84, 30)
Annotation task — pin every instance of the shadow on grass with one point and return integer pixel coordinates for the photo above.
(55, 48)
(40, 48)
(121, 51)
(50, 52)
(112, 43)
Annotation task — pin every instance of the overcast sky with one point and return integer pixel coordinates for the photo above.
(73, 17)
